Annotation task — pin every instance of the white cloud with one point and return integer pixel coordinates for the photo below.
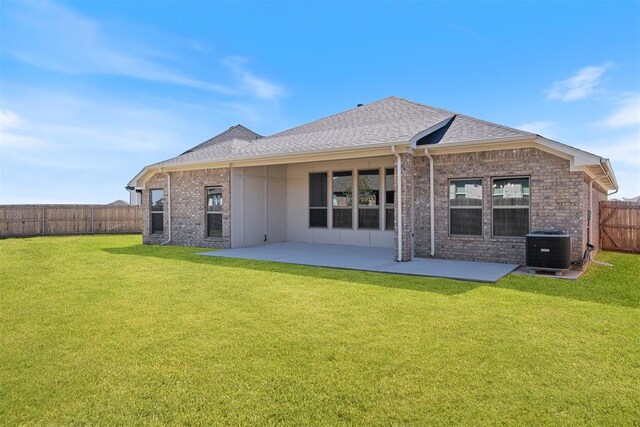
(66, 131)
(579, 86)
(84, 142)
(627, 113)
(10, 135)
(540, 127)
(57, 163)
(54, 37)
(12, 141)
(9, 120)
(258, 86)
(624, 152)
(629, 181)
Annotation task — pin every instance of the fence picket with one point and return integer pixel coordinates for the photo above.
(22, 220)
(620, 226)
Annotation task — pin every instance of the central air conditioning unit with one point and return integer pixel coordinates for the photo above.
(549, 250)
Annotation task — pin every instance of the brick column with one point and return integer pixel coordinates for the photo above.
(406, 209)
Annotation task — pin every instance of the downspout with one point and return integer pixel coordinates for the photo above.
(168, 205)
(590, 247)
(590, 212)
(266, 205)
(432, 219)
(399, 191)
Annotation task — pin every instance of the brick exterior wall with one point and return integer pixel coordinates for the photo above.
(406, 161)
(558, 202)
(188, 208)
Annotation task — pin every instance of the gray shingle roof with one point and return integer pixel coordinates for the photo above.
(234, 132)
(388, 120)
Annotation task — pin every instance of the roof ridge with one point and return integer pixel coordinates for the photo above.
(240, 125)
(498, 125)
(464, 115)
(331, 115)
(211, 140)
(419, 104)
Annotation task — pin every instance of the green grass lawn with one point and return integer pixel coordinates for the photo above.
(103, 330)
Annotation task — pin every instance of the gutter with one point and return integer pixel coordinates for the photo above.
(361, 148)
(306, 154)
(431, 204)
(399, 208)
(168, 205)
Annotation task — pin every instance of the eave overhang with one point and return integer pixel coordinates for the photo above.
(597, 168)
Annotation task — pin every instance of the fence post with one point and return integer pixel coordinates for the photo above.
(42, 222)
(92, 219)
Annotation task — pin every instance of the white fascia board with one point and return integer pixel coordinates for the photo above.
(580, 160)
(134, 181)
(612, 175)
(580, 157)
(442, 148)
(294, 157)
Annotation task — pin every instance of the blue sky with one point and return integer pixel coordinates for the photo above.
(90, 92)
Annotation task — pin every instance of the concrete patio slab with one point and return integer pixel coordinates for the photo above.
(367, 258)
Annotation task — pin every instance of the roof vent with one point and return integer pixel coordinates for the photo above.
(359, 105)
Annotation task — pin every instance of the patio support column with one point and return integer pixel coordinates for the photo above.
(330, 199)
(354, 200)
(406, 207)
(382, 197)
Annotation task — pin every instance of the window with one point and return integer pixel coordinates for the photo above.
(369, 199)
(342, 200)
(318, 199)
(465, 207)
(157, 211)
(389, 201)
(214, 211)
(511, 199)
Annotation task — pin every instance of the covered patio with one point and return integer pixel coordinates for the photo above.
(367, 258)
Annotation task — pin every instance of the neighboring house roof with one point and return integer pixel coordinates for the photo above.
(238, 132)
(118, 203)
(389, 121)
(632, 199)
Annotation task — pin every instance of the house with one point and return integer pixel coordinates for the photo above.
(422, 181)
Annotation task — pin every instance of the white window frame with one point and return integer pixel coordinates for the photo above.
(207, 212)
(152, 212)
(393, 188)
(354, 201)
(327, 196)
(481, 207)
(377, 207)
(510, 207)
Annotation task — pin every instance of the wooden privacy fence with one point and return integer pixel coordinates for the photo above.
(50, 220)
(620, 226)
